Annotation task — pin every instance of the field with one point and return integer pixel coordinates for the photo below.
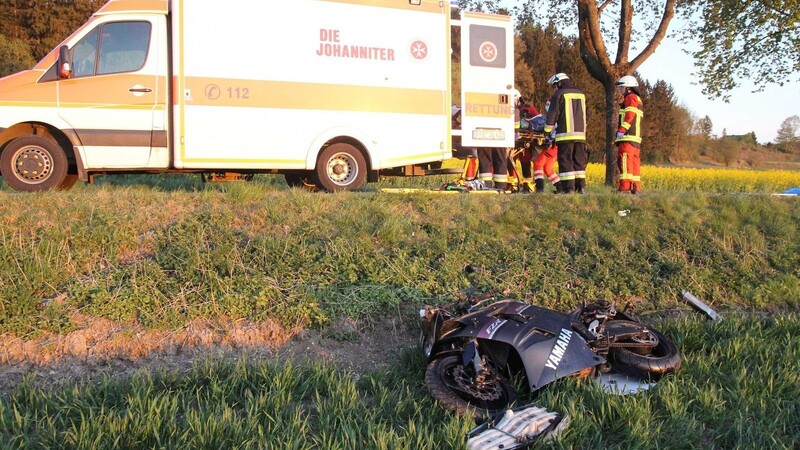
(238, 279)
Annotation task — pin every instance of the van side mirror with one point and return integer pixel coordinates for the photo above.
(64, 63)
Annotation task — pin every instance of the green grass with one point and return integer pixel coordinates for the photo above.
(161, 258)
(739, 388)
(159, 252)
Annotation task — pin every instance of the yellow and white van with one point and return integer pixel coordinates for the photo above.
(329, 90)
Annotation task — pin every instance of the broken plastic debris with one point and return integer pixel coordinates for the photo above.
(700, 306)
(622, 384)
(518, 429)
(624, 212)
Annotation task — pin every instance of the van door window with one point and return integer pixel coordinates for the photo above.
(114, 47)
(84, 55)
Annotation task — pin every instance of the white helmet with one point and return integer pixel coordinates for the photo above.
(627, 81)
(557, 78)
(515, 94)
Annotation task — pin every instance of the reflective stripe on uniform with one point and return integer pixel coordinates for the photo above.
(568, 175)
(623, 170)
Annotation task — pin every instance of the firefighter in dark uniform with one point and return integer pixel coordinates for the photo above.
(629, 135)
(567, 116)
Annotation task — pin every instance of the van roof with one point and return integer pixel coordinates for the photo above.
(134, 6)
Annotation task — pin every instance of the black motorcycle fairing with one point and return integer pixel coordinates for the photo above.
(558, 357)
(542, 338)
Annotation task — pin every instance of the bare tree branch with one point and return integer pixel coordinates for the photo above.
(593, 46)
(625, 29)
(603, 6)
(655, 41)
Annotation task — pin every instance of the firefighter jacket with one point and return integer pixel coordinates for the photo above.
(630, 119)
(567, 114)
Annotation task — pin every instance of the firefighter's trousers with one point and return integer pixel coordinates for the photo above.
(628, 164)
(572, 161)
(493, 165)
(544, 165)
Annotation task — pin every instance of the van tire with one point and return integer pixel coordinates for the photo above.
(33, 163)
(340, 167)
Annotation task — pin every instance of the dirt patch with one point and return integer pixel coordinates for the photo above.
(104, 348)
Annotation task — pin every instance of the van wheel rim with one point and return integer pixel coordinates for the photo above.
(342, 169)
(33, 165)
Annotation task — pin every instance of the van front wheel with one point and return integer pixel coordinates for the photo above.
(341, 167)
(33, 163)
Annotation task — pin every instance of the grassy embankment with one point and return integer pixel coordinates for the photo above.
(158, 258)
(739, 388)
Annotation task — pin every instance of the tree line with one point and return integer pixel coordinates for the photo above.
(29, 29)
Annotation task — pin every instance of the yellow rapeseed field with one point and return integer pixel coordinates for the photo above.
(711, 179)
(708, 179)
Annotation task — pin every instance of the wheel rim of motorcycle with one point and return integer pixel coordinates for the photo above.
(646, 338)
(487, 391)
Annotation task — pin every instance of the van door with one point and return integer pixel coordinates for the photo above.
(487, 77)
(115, 98)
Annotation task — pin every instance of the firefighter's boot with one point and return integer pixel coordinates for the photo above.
(558, 186)
(539, 185)
(580, 185)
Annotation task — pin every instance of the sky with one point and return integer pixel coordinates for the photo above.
(761, 113)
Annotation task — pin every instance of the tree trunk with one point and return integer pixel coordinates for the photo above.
(611, 128)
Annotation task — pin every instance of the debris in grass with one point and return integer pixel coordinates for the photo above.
(624, 213)
(622, 384)
(517, 429)
(700, 306)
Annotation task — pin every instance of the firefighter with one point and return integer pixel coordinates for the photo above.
(523, 151)
(544, 164)
(629, 135)
(567, 119)
(521, 180)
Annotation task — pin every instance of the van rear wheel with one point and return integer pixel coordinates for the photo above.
(341, 167)
(33, 163)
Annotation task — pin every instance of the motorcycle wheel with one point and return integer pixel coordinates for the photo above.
(662, 359)
(449, 384)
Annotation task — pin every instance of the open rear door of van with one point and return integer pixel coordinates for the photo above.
(487, 78)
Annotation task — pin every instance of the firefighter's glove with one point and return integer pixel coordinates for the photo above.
(620, 134)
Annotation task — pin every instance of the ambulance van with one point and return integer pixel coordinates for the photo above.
(326, 92)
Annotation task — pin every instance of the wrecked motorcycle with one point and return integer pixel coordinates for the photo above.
(474, 347)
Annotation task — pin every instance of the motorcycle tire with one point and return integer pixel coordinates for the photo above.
(662, 360)
(440, 377)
